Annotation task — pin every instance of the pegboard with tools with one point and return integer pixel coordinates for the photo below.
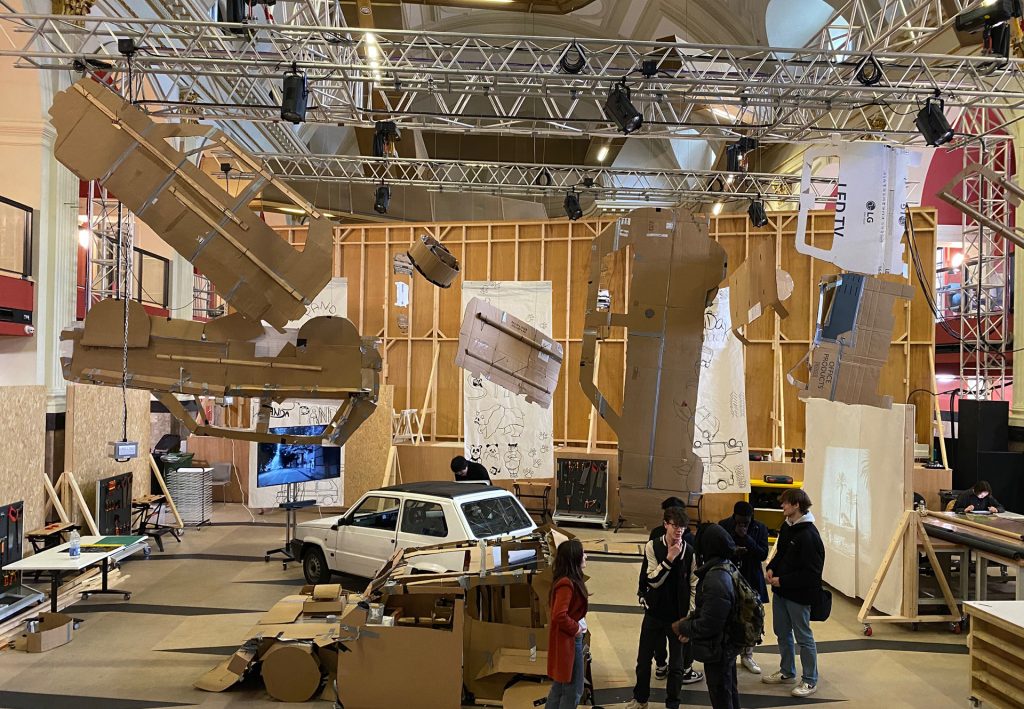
(11, 534)
(114, 504)
(582, 491)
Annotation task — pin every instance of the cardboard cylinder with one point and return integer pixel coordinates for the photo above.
(291, 673)
(434, 262)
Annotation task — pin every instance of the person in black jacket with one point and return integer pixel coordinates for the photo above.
(751, 539)
(661, 652)
(669, 561)
(467, 470)
(794, 574)
(706, 629)
(978, 498)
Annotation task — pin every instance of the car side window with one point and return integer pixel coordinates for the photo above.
(377, 513)
(424, 518)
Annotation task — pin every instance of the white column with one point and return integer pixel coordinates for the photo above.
(181, 297)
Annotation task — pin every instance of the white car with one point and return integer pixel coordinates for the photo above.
(407, 516)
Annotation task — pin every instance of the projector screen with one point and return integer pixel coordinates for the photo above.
(282, 463)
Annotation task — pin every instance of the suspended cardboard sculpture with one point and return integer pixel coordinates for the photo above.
(220, 358)
(509, 352)
(676, 271)
(851, 342)
(757, 285)
(100, 136)
(870, 207)
(433, 260)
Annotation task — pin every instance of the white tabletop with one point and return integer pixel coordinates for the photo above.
(57, 558)
(1010, 611)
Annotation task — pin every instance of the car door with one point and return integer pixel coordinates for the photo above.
(423, 524)
(367, 536)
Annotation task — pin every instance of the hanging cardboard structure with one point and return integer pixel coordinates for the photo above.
(329, 360)
(676, 270)
(757, 285)
(509, 352)
(100, 136)
(870, 207)
(433, 260)
(851, 342)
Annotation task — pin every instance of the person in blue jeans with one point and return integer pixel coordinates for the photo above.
(569, 601)
(794, 574)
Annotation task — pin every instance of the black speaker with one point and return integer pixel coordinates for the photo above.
(981, 426)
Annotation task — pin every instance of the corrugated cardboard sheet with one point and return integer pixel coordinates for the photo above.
(509, 352)
(757, 285)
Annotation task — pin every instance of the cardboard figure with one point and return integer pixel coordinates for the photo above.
(676, 271)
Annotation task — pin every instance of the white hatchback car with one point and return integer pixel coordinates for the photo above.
(407, 516)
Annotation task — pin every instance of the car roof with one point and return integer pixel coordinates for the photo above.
(443, 488)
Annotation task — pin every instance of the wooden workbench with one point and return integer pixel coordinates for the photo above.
(997, 652)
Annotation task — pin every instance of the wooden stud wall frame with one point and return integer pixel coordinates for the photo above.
(559, 251)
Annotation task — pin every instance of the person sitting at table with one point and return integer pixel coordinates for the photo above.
(978, 498)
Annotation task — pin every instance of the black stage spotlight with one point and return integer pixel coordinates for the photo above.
(986, 15)
(385, 137)
(620, 109)
(572, 206)
(381, 199)
(758, 217)
(294, 94)
(736, 154)
(932, 123)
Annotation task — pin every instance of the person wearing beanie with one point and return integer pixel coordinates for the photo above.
(751, 539)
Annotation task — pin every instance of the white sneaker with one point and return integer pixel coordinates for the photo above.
(751, 665)
(778, 678)
(634, 704)
(804, 690)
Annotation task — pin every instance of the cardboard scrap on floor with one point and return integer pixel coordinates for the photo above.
(852, 340)
(509, 352)
(675, 274)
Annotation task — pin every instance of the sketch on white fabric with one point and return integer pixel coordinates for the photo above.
(720, 418)
(500, 427)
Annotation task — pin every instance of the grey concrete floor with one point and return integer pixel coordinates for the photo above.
(193, 604)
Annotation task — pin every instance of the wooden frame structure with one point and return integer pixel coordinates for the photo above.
(426, 329)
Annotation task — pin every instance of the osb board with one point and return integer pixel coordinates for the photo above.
(212, 449)
(559, 251)
(22, 455)
(426, 461)
(366, 450)
(93, 420)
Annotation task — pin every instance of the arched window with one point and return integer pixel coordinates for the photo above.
(794, 23)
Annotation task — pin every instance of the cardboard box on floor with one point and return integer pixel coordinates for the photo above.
(55, 629)
(509, 352)
(676, 271)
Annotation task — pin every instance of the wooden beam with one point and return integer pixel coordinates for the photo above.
(52, 500)
(71, 485)
(167, 493)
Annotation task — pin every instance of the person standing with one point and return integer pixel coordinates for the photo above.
(978, 498)
(669, 563)
(707, 629)
(568, 626)
(661, 651)
(794, 574)
(469, 471)
(751, 539)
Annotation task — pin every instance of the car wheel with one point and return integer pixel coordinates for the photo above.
(314, 566)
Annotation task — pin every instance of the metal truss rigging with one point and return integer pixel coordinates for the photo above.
(535, 179)
(475, 83)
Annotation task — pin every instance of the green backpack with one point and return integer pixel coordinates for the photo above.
(745, 627)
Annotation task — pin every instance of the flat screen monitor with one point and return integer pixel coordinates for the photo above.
(284, 463)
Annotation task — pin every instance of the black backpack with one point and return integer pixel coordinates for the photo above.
(745, 627)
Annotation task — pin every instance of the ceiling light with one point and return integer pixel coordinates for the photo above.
(83, 219)
(83, 238)
(381, 199)
(987, 14)
(602, 153)
(572, 206)
(620, 109)
(958, 259)
(758, 217)
(932, 123)
(291, 210)
(294, 94)
(729, 179)
(717, 208)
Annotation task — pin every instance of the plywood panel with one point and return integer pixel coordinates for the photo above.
(22, 456)
(366, 451)
(93, 420)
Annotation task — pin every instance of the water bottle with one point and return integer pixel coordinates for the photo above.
(75, 549)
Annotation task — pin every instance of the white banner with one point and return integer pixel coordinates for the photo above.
(504, 433)
(720, 422)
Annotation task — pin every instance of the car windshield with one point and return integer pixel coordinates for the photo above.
(494, 515)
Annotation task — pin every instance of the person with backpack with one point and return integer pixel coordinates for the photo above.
(668, 567)
(569, 602)
(661, 651)
(751, 539)
(794, 574)
(727, 617)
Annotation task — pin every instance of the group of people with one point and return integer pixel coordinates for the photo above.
(702, 599)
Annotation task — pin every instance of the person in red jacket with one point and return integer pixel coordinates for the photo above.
(568, 626)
